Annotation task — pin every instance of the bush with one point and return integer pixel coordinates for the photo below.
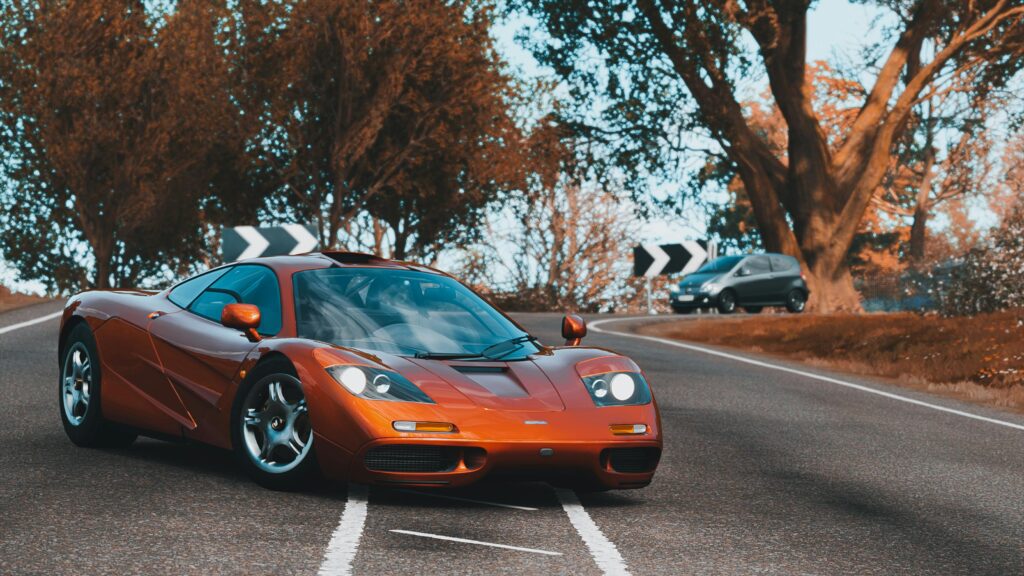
(991, 277)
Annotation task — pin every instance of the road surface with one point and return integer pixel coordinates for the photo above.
(764, 472)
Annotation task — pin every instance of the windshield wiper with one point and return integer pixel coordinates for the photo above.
(495, 351)
(446, 356)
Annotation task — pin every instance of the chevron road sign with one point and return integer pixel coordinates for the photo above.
(244, 242)
(651, 260)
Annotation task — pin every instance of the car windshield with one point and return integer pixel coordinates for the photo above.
(404, 312)
(723, 264)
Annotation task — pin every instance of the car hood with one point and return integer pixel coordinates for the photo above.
(698, 279)
(519, 385)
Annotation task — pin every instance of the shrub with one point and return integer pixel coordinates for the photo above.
(991, 277)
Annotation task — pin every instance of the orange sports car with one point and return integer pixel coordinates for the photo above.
(357, 368)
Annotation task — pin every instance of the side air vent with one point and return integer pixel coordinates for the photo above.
(411, 458)
(632, 460)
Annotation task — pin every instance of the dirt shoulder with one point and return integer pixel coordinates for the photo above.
(980, 359)
(11, 300)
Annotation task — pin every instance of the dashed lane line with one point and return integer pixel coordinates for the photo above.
(477, 542)
(341, 550)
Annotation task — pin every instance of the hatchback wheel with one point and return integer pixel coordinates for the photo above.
(272, 434)
(726, 302)
(796, 301)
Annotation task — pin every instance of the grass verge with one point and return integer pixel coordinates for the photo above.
(11, 300)
(980, 359)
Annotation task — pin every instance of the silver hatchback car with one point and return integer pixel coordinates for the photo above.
(750, 282)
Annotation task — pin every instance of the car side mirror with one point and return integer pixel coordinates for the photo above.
(574, 328)
(244, 317)
(744, 271)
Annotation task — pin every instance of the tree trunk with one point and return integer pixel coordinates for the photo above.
(922, 208)
(919, 234)
(103, 251)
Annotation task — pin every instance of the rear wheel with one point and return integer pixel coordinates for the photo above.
(271, 431)
(726, 302)
(79, 395)
(796, 301)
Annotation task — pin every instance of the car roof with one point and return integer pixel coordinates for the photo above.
(332, 259)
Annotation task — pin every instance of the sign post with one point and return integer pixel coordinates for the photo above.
(650, 260)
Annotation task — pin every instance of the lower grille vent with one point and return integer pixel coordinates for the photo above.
(633, 459)
(411, 458)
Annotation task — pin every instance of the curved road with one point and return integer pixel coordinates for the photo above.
(764, 472)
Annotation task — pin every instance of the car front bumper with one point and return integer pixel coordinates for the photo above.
(441, 462)
(691, 301)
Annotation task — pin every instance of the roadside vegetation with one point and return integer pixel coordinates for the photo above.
(10, 300)
(980, 358)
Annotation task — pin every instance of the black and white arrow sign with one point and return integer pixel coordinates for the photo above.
(653, 259)
(244, 242)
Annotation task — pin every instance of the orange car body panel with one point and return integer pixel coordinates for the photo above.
(173, 373)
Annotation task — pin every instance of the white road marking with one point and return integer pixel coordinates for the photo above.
(604, 553)
(595, 325)
(28, 323)
(477, 542)
(460, 499)
(341, 550)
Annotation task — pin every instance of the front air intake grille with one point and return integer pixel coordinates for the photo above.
(411, 458)
(633, 460)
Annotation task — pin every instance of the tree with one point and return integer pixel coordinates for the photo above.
(674, 65)
(398, 111)
(114, 122)
(562, 243)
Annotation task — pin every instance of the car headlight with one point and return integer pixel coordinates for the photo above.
(709, 287)
(377, 384)
(618, 389)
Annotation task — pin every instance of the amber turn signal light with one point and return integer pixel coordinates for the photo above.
(406, 426)
(628, 429)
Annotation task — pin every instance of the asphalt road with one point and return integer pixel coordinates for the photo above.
(764, 472)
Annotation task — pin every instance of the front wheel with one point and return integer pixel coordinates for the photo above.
(271, 431)
(79, 394)
(796, 301)
(726, 302)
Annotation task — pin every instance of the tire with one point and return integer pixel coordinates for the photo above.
(79, 395)
(270, 430)
(726, 302)
(796, 301)
(753, 309)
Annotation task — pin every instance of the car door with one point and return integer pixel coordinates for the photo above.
(784, 271)
(753, 278)
(200, 357)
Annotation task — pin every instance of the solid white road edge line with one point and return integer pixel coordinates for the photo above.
(477, 542)
(460, 499)
(28, 323)
(595, 325)
(604, 553)
(341, 550)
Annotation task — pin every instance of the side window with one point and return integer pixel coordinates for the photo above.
(758, 265)
(781, 263)
(248, 284)
(185, 292)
